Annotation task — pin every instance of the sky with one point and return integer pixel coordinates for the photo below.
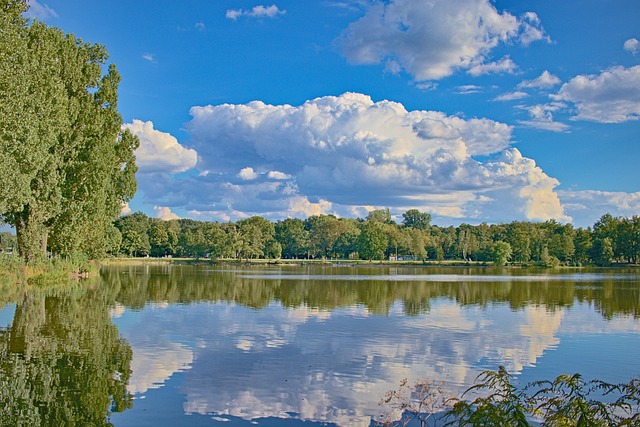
(471, 110)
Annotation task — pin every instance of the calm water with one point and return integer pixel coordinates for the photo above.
(294, 346)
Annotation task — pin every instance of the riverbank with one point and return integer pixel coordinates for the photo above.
(338, 262)
(283, 262)
(51, 272)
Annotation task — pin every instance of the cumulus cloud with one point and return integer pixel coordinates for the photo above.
(256, 12)
(160, 151)
(247, 174)
(340, 154)
(612, 96)
(164, 213)
(632, 45)
(432, 40)
(302, 205)
(544, 81)
(40, 11)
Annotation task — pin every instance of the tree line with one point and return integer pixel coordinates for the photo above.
(376, 237)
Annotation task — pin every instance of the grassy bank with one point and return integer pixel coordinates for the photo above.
(13, 271)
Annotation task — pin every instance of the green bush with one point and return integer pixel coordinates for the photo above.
(567, 401)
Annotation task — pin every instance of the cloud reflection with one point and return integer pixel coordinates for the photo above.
(323, 366)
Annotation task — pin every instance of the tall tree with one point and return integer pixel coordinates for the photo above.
(372, 241)
(413, 218)
(293, 238)
(135, 234)
(501, 253)
(66, 165)
(380, 215)
(257, 233)
(324, 231)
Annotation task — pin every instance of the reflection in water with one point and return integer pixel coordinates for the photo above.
(62, 361)
(254, 344)
(315, 344)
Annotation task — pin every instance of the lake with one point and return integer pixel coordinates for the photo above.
(152, 345)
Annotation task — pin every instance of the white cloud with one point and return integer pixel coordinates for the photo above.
(632, 45)
(164, 213)
(256, 12)
(531, 29)
(247, 174)
(536, 188)
(149, 57)
(541, 117)
(302, 205)
(277, 175)
(233, 14)
(160, 151)
(200, 26)
(612, 96)
(339, 154)
(40, 11)
(511, 96)
(432, 40)
(468, 89)
(505, 65)
(545, 80)
(427, 86)
(586, 206)
(125, 209)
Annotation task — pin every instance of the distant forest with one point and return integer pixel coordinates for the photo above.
(376, 237)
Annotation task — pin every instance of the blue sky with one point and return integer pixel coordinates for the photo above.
(472, 110)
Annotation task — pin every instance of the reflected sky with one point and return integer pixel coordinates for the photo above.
(233, 363)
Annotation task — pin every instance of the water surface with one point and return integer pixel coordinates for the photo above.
(208, 345)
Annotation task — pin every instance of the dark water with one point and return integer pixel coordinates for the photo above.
(294, 346)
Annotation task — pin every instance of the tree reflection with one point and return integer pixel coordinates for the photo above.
(62, 361)
(135, 285)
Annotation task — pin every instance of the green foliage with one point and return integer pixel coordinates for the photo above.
(602, 251)
(134, 230)
(66, 165)
(380, 215)
(567, 401)
(293, 237)
(501, 253)
(62, 362)
(548, 261)
(548, 244)
(413, 218)
(372, 240)
(503, 406)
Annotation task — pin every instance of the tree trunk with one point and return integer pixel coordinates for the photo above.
(32, 238)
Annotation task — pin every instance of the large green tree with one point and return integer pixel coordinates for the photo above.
(66, 165)
(293, 238)
(372, 241)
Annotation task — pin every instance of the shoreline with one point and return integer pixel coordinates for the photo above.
(345, 263)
